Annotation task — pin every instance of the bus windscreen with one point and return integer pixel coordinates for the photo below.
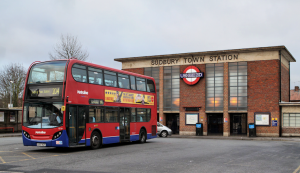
(47, 72)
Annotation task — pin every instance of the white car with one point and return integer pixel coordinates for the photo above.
(163, 131)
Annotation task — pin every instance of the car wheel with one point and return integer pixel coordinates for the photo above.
(164, 134)
(142, 136)
(95, 140)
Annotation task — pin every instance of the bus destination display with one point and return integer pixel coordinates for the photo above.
(44, 92)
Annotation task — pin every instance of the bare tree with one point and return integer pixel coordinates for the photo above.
(12, 78)
(68, 48)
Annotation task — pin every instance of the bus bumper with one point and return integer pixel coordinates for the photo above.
(62, 141)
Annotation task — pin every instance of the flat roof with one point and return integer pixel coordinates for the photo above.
(271, 48)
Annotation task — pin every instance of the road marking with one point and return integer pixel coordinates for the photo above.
(297, 169)
(29, 156)
(2, 160)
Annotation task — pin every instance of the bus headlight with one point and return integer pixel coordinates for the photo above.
(57, 135)
(26, 134)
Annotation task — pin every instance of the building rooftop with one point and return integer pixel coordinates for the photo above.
(244, 50)
(295, 94)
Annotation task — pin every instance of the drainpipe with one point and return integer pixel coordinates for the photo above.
(280, 108)
(289, 82)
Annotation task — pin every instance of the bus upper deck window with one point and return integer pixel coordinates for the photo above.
(79, 73)
(132, 82)
(140, 84)
(150, 86)
(95, 76)
(123, 81)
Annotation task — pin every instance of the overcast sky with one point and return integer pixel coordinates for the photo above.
(127, 28)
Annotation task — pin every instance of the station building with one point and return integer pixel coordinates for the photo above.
(224, 90)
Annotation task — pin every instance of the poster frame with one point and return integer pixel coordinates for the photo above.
(186, 118)
(265, 113)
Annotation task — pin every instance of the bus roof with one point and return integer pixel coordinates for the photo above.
(73, 61)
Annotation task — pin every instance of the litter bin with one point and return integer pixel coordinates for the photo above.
(199, 129)
(252, 130)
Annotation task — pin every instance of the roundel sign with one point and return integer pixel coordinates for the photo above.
(191, 75)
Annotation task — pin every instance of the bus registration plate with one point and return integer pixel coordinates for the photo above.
(41, 144)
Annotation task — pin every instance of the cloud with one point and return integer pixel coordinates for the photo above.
(115, 29)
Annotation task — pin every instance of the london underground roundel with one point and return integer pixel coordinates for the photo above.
(191, 75)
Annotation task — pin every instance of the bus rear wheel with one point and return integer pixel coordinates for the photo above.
(142, 136)
(95, 140)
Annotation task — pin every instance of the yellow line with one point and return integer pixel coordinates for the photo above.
(297, 169)
(29, 156)
(2, 160)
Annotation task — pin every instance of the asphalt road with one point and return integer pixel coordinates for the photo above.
(157, 155)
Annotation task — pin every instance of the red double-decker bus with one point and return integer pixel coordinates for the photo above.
(71, 102)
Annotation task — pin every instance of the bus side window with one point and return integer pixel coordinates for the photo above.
(123, 81)
(141, 115)
(133, 115)
(150, 86)
(110, 78)
(91, 115)
(148, 115)
(95, 76)
(79, 73)
(140, 84)
(132, 82)
(111, 114)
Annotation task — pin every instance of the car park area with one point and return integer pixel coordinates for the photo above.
(157, 155)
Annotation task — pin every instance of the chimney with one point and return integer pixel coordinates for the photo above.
(297, 88)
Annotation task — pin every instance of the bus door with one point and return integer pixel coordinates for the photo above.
(76, 124)
(124, 124)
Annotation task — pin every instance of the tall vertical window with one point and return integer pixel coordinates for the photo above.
(154, 72)
(171, 88)
(214, 87)
(238, 86)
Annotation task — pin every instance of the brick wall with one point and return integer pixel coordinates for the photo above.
(192, 96)
(226, 125)
(285, 83)
(136, 70)
(290, 131)
(263, 93)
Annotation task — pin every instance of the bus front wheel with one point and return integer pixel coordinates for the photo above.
(142, 136)
(95, 140)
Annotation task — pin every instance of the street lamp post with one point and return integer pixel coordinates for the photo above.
(11, 92)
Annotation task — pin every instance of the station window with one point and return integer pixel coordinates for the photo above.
(171, 88)
(214, 87)
(238, 86)
(291, 120)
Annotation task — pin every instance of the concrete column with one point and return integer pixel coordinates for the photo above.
(226, 125)
(161, 95)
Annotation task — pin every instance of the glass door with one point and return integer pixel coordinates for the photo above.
(76, 124)
(124, 124)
